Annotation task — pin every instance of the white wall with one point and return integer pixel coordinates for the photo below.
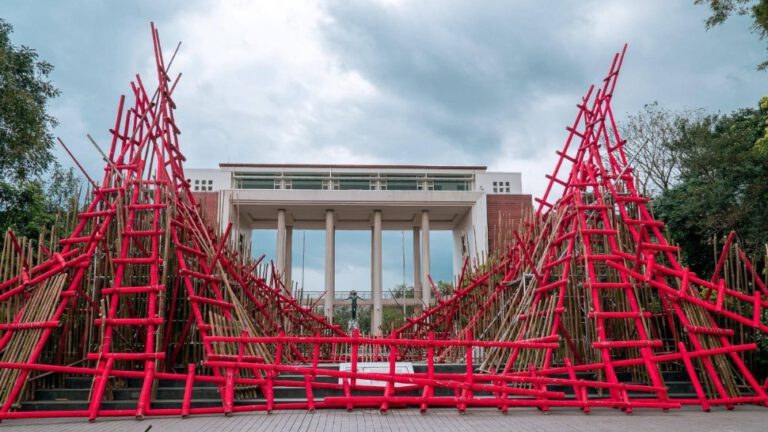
(463, 229)
(241, 227)
(474, 227)
(200, 178)
(484, 182)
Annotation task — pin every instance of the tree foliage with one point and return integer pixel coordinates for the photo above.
(647, 133)
(32, 206)
(25, 137)
(33, 187)
(723, 183)
(756, 9)
(392, 316)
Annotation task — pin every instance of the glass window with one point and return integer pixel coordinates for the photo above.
(404, 184)
(255, 183)
(354, 183)
(307, 183)
(450, 185)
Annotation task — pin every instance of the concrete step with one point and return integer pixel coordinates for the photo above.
(126, 393)
(71, 394)
(132, 393)
(170, 393)
(78, 382)
(260, 401)
(281, 392)
(442, 368)
(73, 405)
(178, 393)
(182, 384)
(196, 403)
(296, 377)
(675, 387)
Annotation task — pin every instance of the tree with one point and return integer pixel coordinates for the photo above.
(723, 183)
(25, 137)
(394, 316)
(343, 314)
(445, 288)
(756, 9)
(33, 187)
(30, 207)
(647, 133)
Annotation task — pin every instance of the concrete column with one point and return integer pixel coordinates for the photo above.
(416, 263)
(372, 255)
(330, 264)
(376, 287)
(426, 292)
(288, 278)
(280, 248)
(225, 211)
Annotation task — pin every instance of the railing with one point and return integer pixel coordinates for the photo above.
(334, 181)
(362, 295)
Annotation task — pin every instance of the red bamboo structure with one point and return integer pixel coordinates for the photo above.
(587, 308)
(143, 222)
(594, 269)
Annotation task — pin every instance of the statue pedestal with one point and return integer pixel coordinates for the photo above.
(352, 324)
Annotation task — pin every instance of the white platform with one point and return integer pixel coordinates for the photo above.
(377, 367)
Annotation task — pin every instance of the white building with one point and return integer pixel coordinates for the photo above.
(362, 197)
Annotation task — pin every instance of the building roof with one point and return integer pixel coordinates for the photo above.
(354, 166)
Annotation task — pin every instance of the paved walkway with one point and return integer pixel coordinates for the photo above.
(747, 418)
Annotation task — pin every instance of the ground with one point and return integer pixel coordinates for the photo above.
(747, 418)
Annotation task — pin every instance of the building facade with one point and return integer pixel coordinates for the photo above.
(474, 204)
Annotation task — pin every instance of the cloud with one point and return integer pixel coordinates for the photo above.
(262, 83)
(390, 81)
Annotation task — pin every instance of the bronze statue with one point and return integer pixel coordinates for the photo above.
(353, 296)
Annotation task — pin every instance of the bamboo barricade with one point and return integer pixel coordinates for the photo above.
(34, 316)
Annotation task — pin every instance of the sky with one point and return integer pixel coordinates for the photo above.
(389, 81)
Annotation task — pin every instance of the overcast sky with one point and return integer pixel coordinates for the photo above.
(389, 81)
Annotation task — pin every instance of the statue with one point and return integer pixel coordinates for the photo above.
(353, 321)
(353, 296)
